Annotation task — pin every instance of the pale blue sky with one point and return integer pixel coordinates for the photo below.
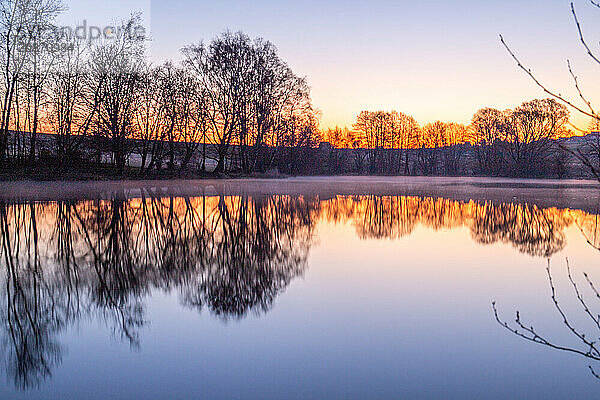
(432, 59)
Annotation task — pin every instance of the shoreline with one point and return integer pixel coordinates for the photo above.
(576, 194)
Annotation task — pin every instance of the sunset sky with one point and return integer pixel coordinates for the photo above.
(431, 59)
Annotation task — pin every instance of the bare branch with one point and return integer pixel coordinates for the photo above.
(594, 318)
(529, 333)
(578, 129)
(538, 83)
(589, 51)
(576, 81)
(592, 286)
(593, 353)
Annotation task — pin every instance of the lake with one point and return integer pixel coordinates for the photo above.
(304, 288)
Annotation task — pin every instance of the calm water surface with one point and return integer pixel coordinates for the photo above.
(276, 296)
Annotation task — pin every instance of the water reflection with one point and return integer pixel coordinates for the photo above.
(65, 261)
(590, 228)
(529, 228)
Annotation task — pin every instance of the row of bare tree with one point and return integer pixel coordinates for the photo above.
(233, 104)
(501, 142)
(233, 100)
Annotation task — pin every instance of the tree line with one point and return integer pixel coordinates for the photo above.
(230, 105)
(232, 102)
(518, 142)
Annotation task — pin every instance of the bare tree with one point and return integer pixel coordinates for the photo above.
(169, 92)
(453, 139)
(376, 131)
(340, 139)
(297, 136)
(68, 114)
(116, 68)
(429, 140)
(41, 58)
(248, 95)
(534, 126)
(589, 153)
(406, 131)
(224, 70)
(489, 127)
(193, 122)
(149, 119)
(26, 32)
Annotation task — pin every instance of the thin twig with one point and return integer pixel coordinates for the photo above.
(539, 84)
(576, 81)
(589, 51)
(587, 310)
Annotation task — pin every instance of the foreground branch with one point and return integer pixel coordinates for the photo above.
(590, 349)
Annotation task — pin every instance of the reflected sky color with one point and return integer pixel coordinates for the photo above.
(435, 60)
(290, 297)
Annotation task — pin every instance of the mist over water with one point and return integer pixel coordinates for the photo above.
(251, 294)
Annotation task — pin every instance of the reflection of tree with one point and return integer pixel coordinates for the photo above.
(117, 280)
(530, 229)
(587, 344)
(385, 217)
(258, 247)
(589, 225)
(32, 306)
(62, 262)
